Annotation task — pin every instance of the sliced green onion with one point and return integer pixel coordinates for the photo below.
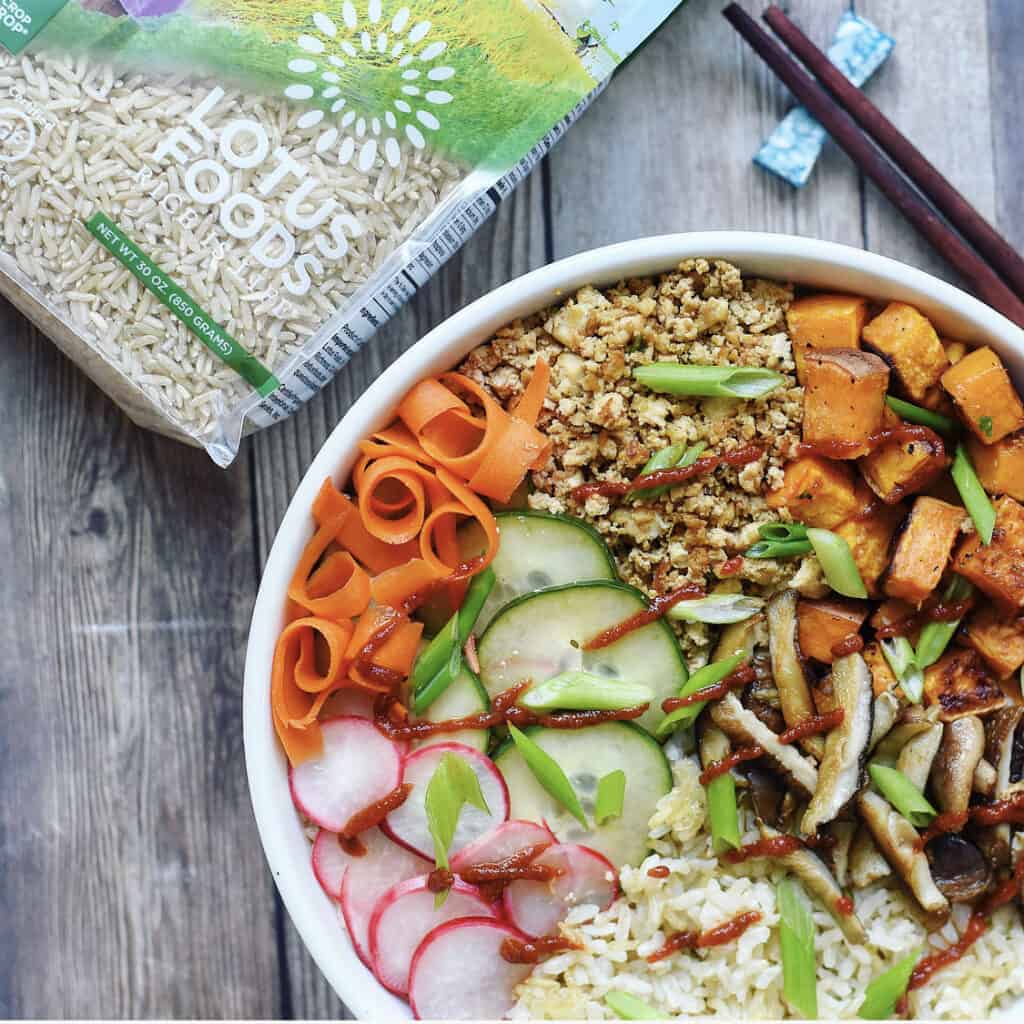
(706, 676)
(665, 459)
(923, 417)
(627, 1007)
(611, 794)
(584, 691)
(548, 773)
(837, 563)
(723, 812)
(685, 457)
(453, 784)
(935, 636)
(717, 609)
(976, 501)
(437, 652)
(709, 381)
(882, 994)
(902, 794)
(423, 698)
(782, 531)
(778, 549)
(796, 936)
(899, 653)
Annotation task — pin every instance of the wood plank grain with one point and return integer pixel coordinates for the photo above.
(509, 244)
(1006, 100)
(131, 880)
(936, 89)
(669, 146)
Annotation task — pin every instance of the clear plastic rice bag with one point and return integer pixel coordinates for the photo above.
(211, 204)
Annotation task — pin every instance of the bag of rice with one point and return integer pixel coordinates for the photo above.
(211, 204)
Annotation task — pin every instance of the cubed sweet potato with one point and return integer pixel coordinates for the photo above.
(922, 550)
(870, 539)
(1000, 466)
(896, 469)
(909, 343)
(844, 396)
(823, 624)
(997, 568)
(883, 678)
(998, 638)
(817, 492)
(985, 395)
(892, 612)
(961, 684)
(825, 321)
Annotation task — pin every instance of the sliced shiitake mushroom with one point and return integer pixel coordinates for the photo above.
(958, 867)
(841, 772)
(960, 753)
(788, 666)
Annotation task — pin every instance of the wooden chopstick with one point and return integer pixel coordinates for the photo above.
(953, 205)
(985, 282)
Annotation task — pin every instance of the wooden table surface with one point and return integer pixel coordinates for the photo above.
(131, 878)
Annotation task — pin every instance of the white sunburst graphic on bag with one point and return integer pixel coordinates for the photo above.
(393, 44)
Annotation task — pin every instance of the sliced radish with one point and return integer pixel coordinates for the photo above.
(358, 766)
(586, 877)
(458, 972)
(508, 838)
(367, 878)
(329, 862)
(408, 824)
(404, 915)
(352, 700)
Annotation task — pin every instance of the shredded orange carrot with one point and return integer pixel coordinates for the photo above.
(398, 474)
(394, 586)
(477, 510)
(519, 447)
(330, 637)
(532, 399)
(396, 653)
(425, 402)
(339, 588)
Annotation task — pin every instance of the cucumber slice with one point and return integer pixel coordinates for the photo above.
(585, 755)
(540, 635)
(465, 696)
(537, 550)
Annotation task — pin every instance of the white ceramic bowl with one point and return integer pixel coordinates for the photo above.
(783, 257)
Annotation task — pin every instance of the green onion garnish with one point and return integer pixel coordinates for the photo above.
(923, 417)
(723, 811)
(709, 381)
(706, 676)
(627, 1007)
(548, 773)
(453, 784)
(681, 458)
(667, 458)
(899, 653)
(782, 531)
(778, 549)
(882, 994)
(438, 651)
(935, 636)
(902, 794)
(796, 936)
(611, 794)
(717, 609)
(423, 698)
(976, 501)
(837, 563)
(584, 691)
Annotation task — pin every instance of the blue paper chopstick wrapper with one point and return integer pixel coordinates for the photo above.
(858, 49)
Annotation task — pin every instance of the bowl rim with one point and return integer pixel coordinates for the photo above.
(793, 257)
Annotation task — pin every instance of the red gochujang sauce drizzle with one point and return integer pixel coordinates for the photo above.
(720, 935)
(531, 951)
(976, 927)
(371, 816)
(658, 607)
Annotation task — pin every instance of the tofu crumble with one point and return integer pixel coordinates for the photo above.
(605, 426)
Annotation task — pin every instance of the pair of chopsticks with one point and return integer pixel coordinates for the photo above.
(994, 269)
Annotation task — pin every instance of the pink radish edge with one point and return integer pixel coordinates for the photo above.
(475, 973)
(330, 862)
(536, 908)
(435, 751)
(392, 953)
(329, 789)
(498, 844)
